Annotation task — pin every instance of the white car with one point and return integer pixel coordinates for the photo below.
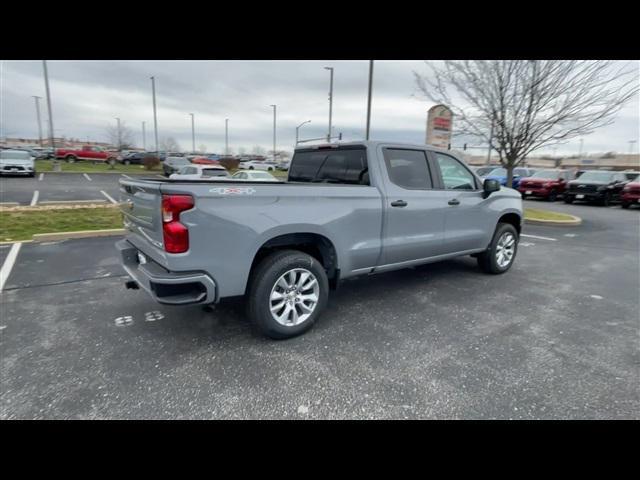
(17, 162)
(253, 165)
(201, 172)
(255, 176)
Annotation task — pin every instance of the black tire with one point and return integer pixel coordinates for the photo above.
(264, 277)
(487, 260)
(568, 198)
(251, 168)
(553, 196)
(625, 204)
(524, 197)
(70, 159)
(606, 200)
(127, 162)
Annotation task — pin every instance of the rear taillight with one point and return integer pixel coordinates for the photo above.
(176, 235)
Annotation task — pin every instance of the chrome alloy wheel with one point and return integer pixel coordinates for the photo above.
(505, 249)
(294, 297)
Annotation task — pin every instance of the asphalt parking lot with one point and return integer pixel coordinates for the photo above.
(555, 337)
(62, 187)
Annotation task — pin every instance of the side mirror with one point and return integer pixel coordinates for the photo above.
(490, 186)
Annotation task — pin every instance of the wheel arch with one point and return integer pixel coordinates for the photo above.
(512, 218)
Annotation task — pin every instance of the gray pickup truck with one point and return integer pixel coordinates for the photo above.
(346, 209)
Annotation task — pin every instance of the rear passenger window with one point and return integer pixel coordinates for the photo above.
(454, 175)
(408, 168)
(345, 165)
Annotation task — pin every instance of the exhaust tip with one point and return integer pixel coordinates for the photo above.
(132, 284)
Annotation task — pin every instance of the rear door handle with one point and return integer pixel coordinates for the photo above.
(455, 201)
(399, 203)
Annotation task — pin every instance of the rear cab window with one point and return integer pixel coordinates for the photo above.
(343, 165)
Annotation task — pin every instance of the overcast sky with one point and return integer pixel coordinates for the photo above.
(87, 95)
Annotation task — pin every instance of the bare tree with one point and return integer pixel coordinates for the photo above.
(169, 144)
(258, 150)
(121, 140)
(242, 151)
(529, 104)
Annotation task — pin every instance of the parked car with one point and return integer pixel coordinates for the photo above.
(631, 194)
(173, 165)
(199, 172)
(632, 176)
(255, 176)
(600, 186)
(135, 158)
(87, 152)
(17, 162)
(253, 165)
(500, 174)
(547, 184)
(283, 166)
(482, 171)
(350, 209)
(204, 161)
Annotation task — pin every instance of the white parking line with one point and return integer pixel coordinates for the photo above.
(41, 177)
(126, 176)
(8, 264)
(34, 200)
(87, 176)
(539, 238)
(109, 197)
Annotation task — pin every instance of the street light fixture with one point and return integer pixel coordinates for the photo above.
(274, 131)
(298, 128)
(37, 99)
(330, 100)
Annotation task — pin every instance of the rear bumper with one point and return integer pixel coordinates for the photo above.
(587, 195)
(630, 197)
(169, 288)
(535, 191)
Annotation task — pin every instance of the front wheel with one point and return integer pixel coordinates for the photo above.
(568, 198)
(127, 162)
(288, 291)
(70, 159)
(606, 200)
(625, 204)
(553, 196)
(502, 250)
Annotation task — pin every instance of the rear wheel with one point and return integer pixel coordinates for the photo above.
(288, 291)
(606, 200)
(625, 204)
(568, 198)
(502, 250)
(70, 159)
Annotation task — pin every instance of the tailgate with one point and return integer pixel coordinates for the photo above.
(140, 204)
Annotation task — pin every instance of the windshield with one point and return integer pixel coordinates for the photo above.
(214, 172)
(597, 176)
(549, 174)
(15, 155)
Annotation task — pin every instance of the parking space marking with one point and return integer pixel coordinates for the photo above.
(109, 197)
(538, 237)
(8, 264)
(34, 200)
(87, 176)
(153, 316)
(570, 235)
(126, 176)
(41, 177)
(124, 321)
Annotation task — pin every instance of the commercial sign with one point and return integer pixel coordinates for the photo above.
(439, 126)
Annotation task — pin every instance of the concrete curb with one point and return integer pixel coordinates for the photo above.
(575, 221)
(46, 237)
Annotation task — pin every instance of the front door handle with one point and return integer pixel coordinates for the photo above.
(399, 203)
(455, 201)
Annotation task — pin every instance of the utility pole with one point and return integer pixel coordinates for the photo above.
(369, 99)
(39, 122)
(226, 136)
(193, 135)
(330, 100)
(274, 132)
(46, 84)
(144, 138)
(155, 118)
(298, 128)
(119, 136)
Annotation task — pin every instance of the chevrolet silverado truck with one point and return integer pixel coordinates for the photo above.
(345, 210)
(87, 152)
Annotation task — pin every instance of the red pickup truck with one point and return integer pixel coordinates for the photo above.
(87, 152)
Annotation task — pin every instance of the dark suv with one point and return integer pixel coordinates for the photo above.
(600, 186)
(173, 165)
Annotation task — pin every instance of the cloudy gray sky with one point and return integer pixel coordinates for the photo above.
(87, 95)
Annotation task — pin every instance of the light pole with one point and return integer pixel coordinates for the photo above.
(274, 132)
(298, 128)
(144, 138)
(119, 137)
(39, 122)
(369, 99)
(46, 84)
(330, 100)
(193, 135)
(226, 136)
(155, 118)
